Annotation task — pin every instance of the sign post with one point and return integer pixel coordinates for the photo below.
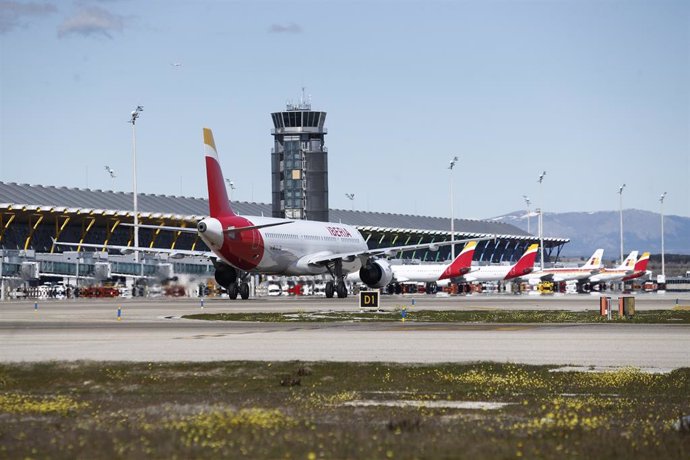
(369, 299)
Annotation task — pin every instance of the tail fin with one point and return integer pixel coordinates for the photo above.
(629, 262)
(525, 264)
(641, 264)
(595, 260)
(218, 202)
(462, 262)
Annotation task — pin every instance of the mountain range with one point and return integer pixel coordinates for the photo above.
(591, 230)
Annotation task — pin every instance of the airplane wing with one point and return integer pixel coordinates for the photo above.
(194, 229)
(174, 253)
(322, 259)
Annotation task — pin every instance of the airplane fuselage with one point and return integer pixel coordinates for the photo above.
(281, 249)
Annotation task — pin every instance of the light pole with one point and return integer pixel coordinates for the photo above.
(620, 193)
(663, 267)
(351, 197)
(452, 217)
(527, 202)
(231, 187)
(133, 120)
(541, 220)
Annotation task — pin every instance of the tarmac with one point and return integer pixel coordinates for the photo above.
(151, 330)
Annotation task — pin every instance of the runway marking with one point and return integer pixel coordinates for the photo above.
(478, 405)
(463, 327)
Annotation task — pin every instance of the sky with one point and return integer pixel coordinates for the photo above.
(595, 93)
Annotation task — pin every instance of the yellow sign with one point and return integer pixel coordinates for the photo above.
(369, 299)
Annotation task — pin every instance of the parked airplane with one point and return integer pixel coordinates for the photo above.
(503, 272)
(608, 275)
(440, 274)
(241, 245)
(640, 267)
(592, 266)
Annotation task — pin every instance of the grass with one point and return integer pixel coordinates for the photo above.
(454, 316)
(298, 410)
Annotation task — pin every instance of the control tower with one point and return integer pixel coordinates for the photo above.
(299, 163)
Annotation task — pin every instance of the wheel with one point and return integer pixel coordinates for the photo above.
(329, 289)
(233, 291)
(244, 291)
(341, 289)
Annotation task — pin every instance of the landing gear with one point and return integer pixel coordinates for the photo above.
(338, 286)
(233, 290)
(341, 289)
(244, 291)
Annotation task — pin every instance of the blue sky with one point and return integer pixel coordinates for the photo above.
(596, 93)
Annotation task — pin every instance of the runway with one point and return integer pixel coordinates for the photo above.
(151, 330)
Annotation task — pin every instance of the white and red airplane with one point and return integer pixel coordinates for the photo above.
(609, 275)
(480, 274)
(242, 245)
(640, 267)
(441, 274)
(591, 267)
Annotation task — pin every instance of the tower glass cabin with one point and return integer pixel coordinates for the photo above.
(299, 164)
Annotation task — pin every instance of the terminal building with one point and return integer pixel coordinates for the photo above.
(31, 216)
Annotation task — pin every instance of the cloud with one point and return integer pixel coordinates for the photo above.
(291, 28)
(15, 14)
(92, 21)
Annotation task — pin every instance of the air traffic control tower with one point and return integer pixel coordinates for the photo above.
(299, 163)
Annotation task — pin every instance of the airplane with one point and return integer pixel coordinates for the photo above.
(503, 272)
(592, 266)
(607, 275)
(640, 267)
(244, 245)
(440, 274)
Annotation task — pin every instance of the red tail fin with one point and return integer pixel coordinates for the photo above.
(525, 264)
(641, 264)
(218, 202)
(462, 262)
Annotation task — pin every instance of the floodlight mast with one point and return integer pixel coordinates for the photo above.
(231, 187)
(620, 193)
(133, 121)
(663, 266)
(541, 220)
(452, 217)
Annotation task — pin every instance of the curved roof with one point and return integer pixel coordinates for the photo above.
(63, 197)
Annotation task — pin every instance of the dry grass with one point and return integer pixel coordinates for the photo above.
(241, 410)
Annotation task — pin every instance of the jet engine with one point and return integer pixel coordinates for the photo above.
(376, 273)
(225, 274)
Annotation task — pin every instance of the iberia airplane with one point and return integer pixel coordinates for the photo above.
(522, 267)
(591, 267)
(440, 274)
(607, 275)
(242, 245)
(640, 267)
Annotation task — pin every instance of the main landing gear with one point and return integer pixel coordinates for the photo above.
(337, 287)
(241, 289)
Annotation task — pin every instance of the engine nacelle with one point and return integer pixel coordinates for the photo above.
(376, 273)
(225, 275)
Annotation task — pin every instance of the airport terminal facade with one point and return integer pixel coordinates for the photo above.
(32, 216)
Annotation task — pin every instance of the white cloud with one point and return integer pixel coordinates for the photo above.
(15, 14)
(291, 28)
(92, 21)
